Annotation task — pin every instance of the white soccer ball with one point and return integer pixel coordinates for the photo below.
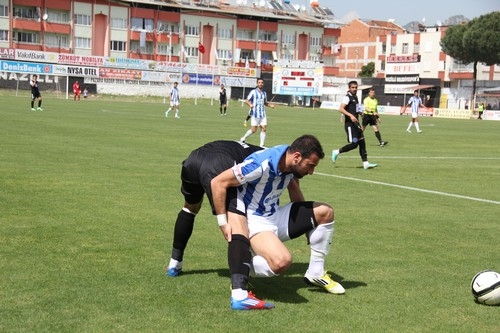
(485, 287)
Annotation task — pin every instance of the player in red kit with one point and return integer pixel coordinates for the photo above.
(76, 90)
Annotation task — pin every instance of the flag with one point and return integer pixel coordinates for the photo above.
(216, 54)
(201, 48)
(230, 55)
(247, 64)
(184, 51)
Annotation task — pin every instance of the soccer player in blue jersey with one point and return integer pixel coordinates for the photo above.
(415, 102)
(198, 169)
(261, 179)
(257, 101)
(174, 101)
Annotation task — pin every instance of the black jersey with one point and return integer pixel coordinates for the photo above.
(35, 92)
(223, 96)
(352, 107)
(206, 162)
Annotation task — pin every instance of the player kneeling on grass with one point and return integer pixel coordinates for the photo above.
(261, 179)
(201, 166)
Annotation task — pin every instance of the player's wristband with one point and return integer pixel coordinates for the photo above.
(221, 219)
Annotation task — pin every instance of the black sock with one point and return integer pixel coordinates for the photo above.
(379, 137)
(239, 259)
(182, 232)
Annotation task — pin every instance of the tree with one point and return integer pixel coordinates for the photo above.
(477, 41)
(367, 70)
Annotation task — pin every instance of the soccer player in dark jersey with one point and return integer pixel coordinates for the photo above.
(198, 170)
(222, 100)
(350, 108)
(35, 94)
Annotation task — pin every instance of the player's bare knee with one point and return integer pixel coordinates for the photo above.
(323, 213)
(281, 263)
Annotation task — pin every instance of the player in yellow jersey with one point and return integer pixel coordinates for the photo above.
(371, 117)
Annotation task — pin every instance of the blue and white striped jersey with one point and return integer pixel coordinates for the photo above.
(261, 182)
(174, 95)
(258, 98)
(415, 103)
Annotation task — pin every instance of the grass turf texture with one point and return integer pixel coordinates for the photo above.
(89, 193)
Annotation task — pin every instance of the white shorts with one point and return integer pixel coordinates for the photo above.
(258, 121)
(277, 223)
(414, 114)
(174, 103)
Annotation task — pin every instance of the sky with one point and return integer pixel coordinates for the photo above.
(404, 12)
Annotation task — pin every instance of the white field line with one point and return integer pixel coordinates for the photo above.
(411, 188)
(428, 157)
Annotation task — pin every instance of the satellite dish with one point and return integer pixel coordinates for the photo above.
(245, 2)
(262, 3)
(303, 8)
(239, 2)
(439, 23)
(423, 20)
(296, 6)
(391, 20)
(45, 17)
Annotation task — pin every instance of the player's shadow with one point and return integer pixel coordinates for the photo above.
(284, 288)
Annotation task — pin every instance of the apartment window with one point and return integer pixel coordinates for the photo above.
(245, 54)
(139, 23)
(416, 48)
(57, 16)
(382, 66)
(287, 56)
(56, 40)
(384, 48)
(164, 49)
(244, 34)
(82, 19)
(26, 37)
(404, 50)
(315, 41)
(4, 35)
(4, 11)
(165, 26)
(118, 23)
(393, 48)
(26, 12)
(82, 43)
(225, 33)
(314, 58)
(268, 36)
(192, 30)
(447, 84)
(224, 54)
(191, 51)
(288, 39)
(147, 49)
(117, 45)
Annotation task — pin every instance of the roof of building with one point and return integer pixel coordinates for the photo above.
(269, 10)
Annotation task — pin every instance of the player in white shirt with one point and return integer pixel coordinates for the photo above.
(415, 102)
(174, 101)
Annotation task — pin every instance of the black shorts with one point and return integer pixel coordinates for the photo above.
(35, 95)
(197, 173)
(354, 132)
(370, 119)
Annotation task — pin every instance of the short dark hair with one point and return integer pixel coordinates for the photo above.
(307, 145)
(415, 91)
(351, 83)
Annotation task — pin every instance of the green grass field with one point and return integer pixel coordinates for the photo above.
(89, 193)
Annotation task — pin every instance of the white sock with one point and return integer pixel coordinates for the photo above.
(239, 294)
(409, 126)
(320, 239)
(247, 134)
(417, 127)
(262, 138)
(261, 267)
(174, 263)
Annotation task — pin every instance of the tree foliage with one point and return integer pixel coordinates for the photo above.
(367, 70)
(476, 41)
